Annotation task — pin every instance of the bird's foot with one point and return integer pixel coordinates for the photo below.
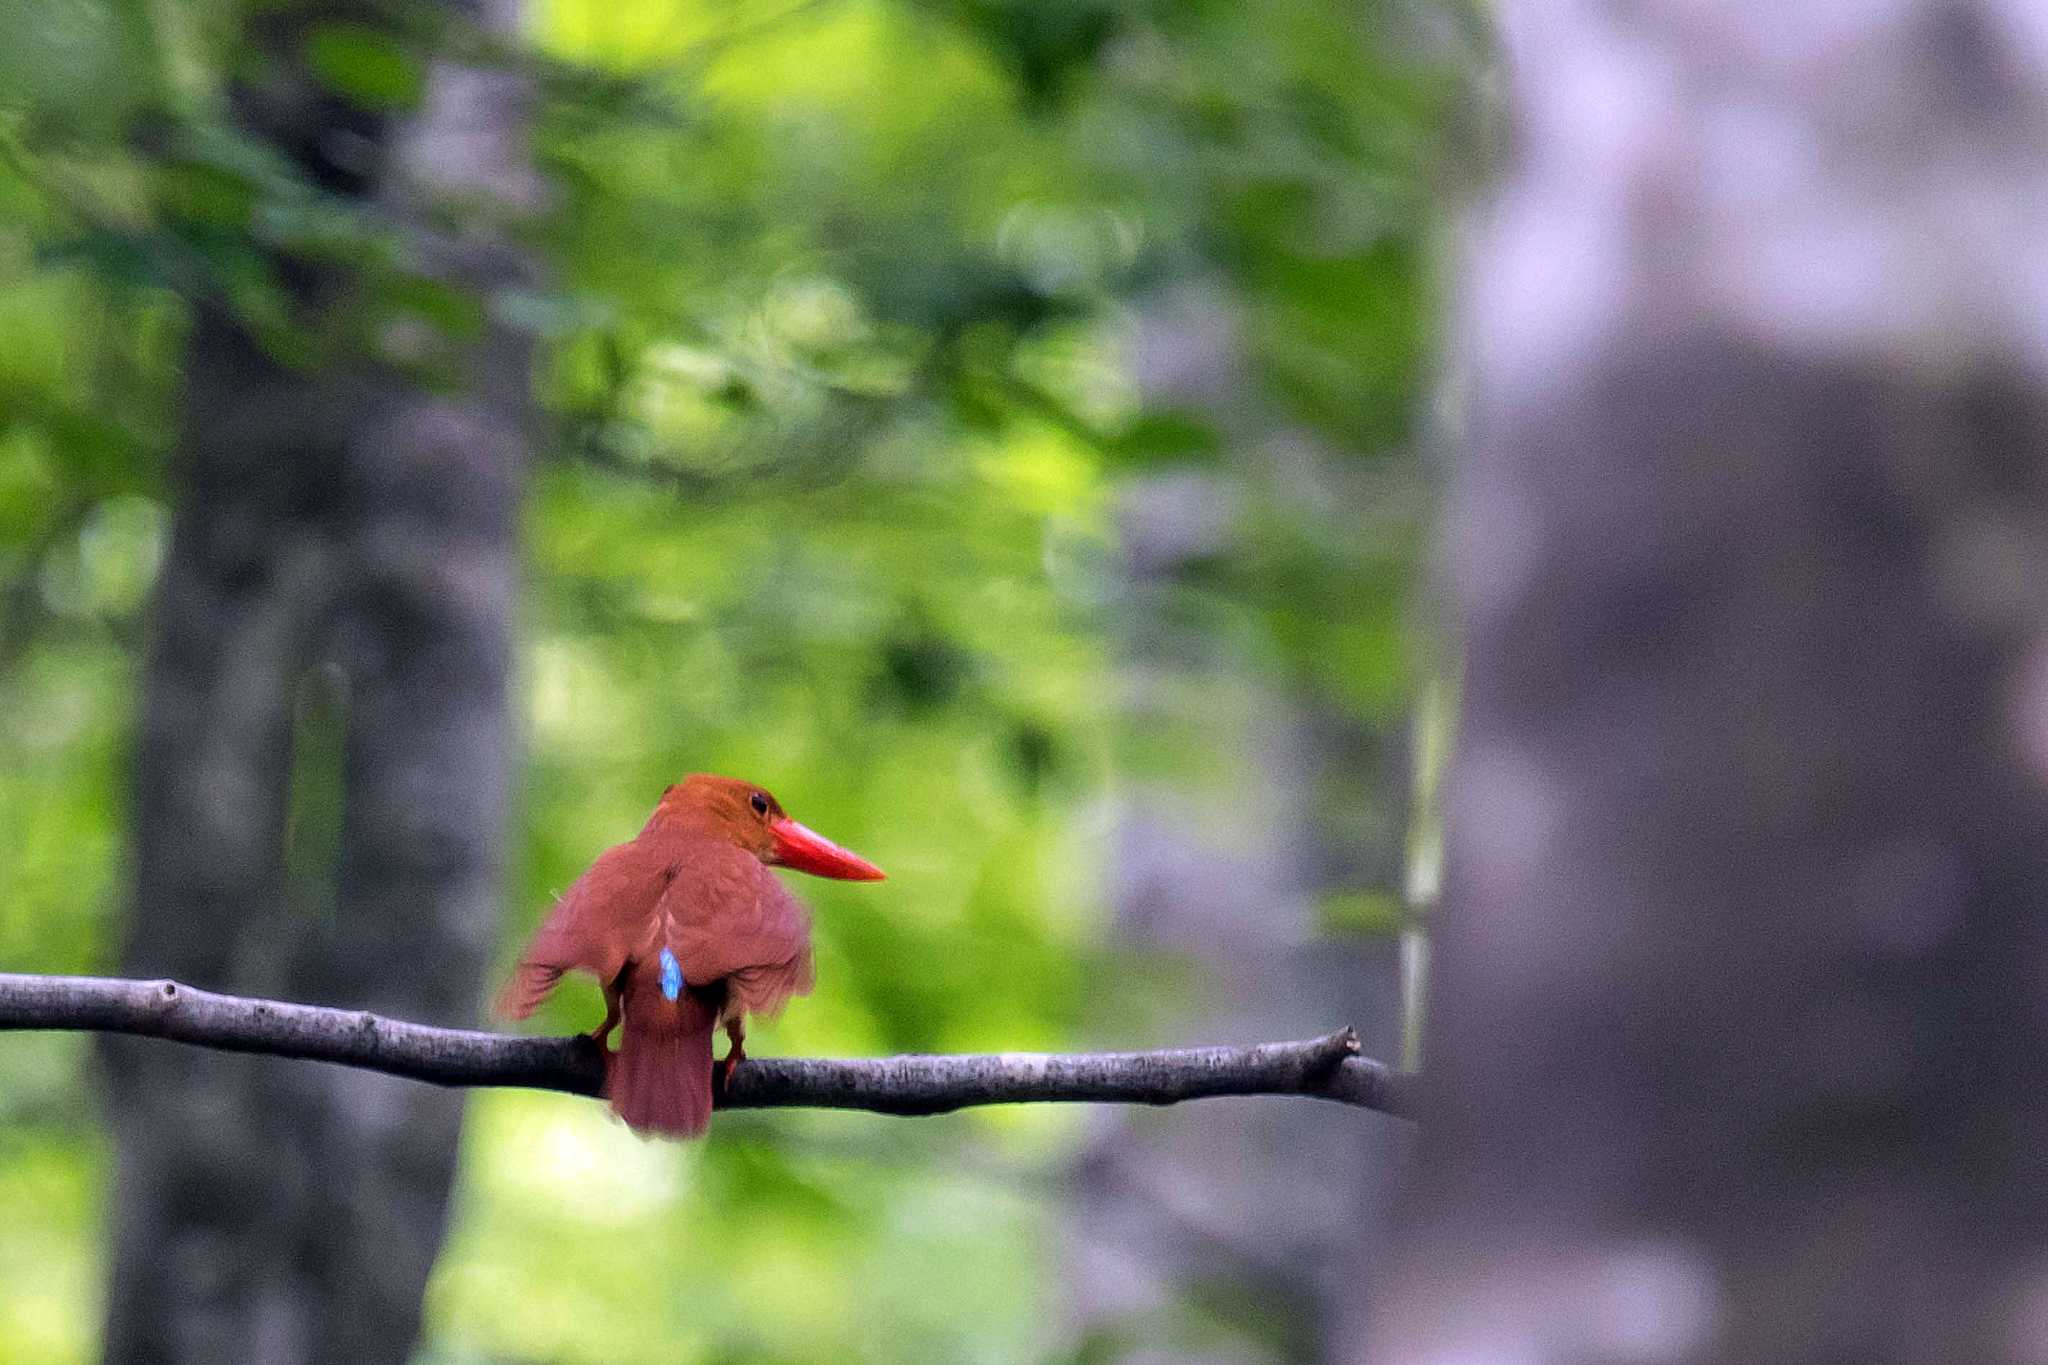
(734, 1056)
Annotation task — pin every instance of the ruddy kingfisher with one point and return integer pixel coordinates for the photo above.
(686, 929)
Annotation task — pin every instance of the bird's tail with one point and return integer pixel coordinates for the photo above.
(659, 1081)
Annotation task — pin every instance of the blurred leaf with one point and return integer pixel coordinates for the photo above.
(129, 259)
(1167, 436)
(1362, 913)
(81, 65)
(451, 309)
(552, 314)
(371, 67)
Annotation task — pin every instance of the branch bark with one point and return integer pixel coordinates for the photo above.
(1326, 1068)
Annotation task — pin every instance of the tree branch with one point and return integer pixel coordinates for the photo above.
(1327, 1068)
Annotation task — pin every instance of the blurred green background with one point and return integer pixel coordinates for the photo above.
(880, 344)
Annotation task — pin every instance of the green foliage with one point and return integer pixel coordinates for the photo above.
(365, 65)
(838, 356)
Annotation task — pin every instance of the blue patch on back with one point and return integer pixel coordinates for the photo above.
(671, 975)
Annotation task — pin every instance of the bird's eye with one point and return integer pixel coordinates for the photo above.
(759, 803)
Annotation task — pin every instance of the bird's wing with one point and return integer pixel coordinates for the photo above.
(728, 918)
(593, 926)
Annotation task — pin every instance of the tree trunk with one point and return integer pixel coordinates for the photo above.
(1738, 1048)
(323, 765)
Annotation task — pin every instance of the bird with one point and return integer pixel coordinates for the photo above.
(686, 929)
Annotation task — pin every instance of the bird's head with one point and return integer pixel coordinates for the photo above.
(751, 818)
